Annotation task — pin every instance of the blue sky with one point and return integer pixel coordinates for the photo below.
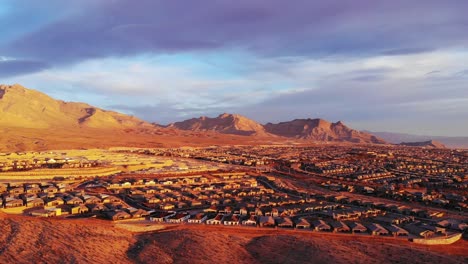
(378, 65)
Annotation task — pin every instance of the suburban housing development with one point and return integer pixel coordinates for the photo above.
(354, 190)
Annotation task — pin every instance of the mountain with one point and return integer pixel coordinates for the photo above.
(224, 123)
(321, 130)
(426, 144)
(31, 120)
(301, 129)
(25, 108)
(396, 138)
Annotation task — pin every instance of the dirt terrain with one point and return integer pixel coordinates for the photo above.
(27, 240)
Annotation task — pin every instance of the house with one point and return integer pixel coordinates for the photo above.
(266, 221)
(284, 222)
(339, 226)
(211, 209)
(13, 202)
(33, 189)
(198, 218)
(118, 215)
(161, 217)
(104, 198)
(88, 199)
(356, 227)
(54, 201)
(302, 223)
(377, 229)
(96, 207)
(417, 230)
(152, 199)
(195, 203)
(396, 230)
(34, 202)
(251, 221)
(111, 199)
(243, 211)
(320, 225)
(167, 206)
(258, 211)
(50, 189)
(394, 219)
(453, 224)
(217, 220)
(277, 211)
(231, 219)
(78, 209)
(435, 229)
(139, 213)
(73, 200)
(43, 213)
(16, 190)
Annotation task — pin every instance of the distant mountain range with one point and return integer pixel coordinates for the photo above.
(397, 138)
(317, 130)
(31, 120)
(425, 144)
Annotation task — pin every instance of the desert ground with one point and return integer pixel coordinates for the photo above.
(26, 240)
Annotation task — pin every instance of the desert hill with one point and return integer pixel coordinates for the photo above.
(321, 130)
(426, 144)
(224, 123)
(33, 240)
(317, 130)
(31, 120)
(26, 108)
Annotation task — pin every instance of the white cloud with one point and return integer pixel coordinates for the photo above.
(355, 89)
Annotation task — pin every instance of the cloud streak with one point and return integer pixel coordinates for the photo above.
(267, 28)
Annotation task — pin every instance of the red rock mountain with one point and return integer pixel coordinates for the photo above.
(25, 108)
(426, 144)
(306, 129)
(321, 130)
(224, 123)
(31, 120)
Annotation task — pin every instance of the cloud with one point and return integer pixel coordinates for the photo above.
(98, 29)
(10, 67)
(361, 61)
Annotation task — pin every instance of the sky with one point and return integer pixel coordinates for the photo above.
(398, 66)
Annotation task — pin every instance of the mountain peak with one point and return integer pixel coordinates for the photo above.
(224, 123)
(26, 108)
(320, 130)
(225, 115)
(339, 123)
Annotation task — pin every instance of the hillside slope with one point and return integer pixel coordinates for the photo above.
(26, 108)
(31, 120)
(33, 240)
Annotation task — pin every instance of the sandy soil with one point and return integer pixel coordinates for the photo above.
(34, 240)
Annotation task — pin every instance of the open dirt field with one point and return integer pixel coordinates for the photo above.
(27, 240)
